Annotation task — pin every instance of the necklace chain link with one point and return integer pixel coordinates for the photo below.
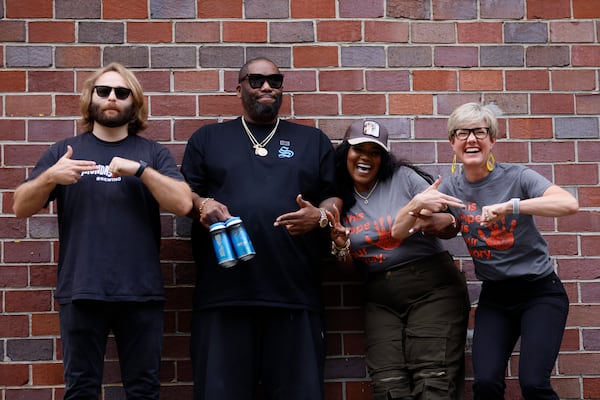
(259, 148)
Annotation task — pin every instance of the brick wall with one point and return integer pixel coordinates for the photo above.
(406, 62)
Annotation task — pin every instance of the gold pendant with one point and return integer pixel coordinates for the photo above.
(260, 151)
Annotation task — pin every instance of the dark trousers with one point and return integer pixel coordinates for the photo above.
(416, 325)
(138, 330)
(235, 348)
(535, 311)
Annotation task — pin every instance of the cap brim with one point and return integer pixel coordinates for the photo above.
(360, 140)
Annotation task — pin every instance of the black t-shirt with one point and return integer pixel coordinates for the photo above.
(219, 162)
(109, 228)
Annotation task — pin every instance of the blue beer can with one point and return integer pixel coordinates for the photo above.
(240, 239)
(222, 245)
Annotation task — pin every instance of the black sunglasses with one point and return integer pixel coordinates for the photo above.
(121, 93)
(257, 81)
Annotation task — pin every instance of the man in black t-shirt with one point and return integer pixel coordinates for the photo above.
(108, 185)
(260, 320)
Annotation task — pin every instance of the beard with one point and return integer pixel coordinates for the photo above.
(261, 113)
(123, 117)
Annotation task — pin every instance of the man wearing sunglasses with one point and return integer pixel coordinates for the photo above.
(260, 320)
(108, 185)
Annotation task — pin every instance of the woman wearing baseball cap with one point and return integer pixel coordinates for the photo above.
(417, 305)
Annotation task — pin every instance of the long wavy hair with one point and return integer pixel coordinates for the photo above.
(345, 184)
(140, 109)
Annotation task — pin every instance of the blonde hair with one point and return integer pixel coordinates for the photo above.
(469, 113)
(140, 109)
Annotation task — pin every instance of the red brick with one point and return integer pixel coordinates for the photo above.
(479, 32)
(313, 8)
(51, 81)
(586, 9)
(78, 56)
(416, 152)
(354, 344)
(51, 32)
(215, 105)
(194, 81)
(562, 245)
(411, 104)
(26, 251)
(542, 9)
(47, 373)
(552, 103)
(315, 104)
(590, 246)
(339, 31)
(333, 390)
(583, 221)
(12, 129)
(173, 105)
(434, 80)
(197, 32)
(67, 105)
(589, 196)
(42, 275)
(137, 9)
(13, 326)
(12, 227)
(13, 276)
(573, 80)
(250, 32)
(591, 388)
(553, 151)
(31, 300)
(570, 340)
(588, 151)
(14, 374)
(12, 31)
(530, 128)
(572, 32)
(12, 81)
(29, 8)
(585, 56)
(587, 104)
(341, 80)
(480, 80)
(315, 56)
(361, 104)
(529, 79)
(359, 390)
(385, 31)
(45, 324)
(10, 178)
(149, 32)
(581, 174)
(388, 80)
(219, 9)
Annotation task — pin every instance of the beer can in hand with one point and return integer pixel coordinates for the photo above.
(222, 245)
(240, 239)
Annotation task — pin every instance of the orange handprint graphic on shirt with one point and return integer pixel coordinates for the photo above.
(500, 238)
(385, 241)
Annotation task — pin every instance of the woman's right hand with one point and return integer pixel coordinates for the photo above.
(339, 233)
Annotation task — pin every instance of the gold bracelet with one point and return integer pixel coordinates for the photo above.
(202, 205)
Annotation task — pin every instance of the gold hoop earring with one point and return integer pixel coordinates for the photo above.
(490, 164)
(453, 169)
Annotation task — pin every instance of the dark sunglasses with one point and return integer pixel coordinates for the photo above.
(121, 93)
(257, 81)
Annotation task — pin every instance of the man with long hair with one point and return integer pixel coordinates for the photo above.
(108, 185)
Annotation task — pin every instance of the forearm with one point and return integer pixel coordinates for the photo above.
(172, 195)
(30, 197)
(556, 202)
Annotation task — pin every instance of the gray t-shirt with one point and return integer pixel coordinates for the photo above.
(511, 247)
(371, 224)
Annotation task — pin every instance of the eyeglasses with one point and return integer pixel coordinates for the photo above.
(121, 93)
(463, 133)
(257, 81)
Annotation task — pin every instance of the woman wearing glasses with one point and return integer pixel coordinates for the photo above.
(521, 295)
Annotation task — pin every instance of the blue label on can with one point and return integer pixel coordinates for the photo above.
(222, 245)
(240, 239)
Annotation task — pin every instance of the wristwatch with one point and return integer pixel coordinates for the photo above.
(140, 171)
(323, 221)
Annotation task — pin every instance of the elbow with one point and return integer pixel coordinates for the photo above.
(20, 212)
(183, 208)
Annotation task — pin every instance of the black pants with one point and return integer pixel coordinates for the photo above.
(535, 311)
(235, 348)
(138, 330)
(416, 326)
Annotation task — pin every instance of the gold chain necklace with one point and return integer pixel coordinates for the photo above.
(259, 148)
(366, 198)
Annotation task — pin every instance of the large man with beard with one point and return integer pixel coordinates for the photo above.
(108, 185)
(260, 320)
